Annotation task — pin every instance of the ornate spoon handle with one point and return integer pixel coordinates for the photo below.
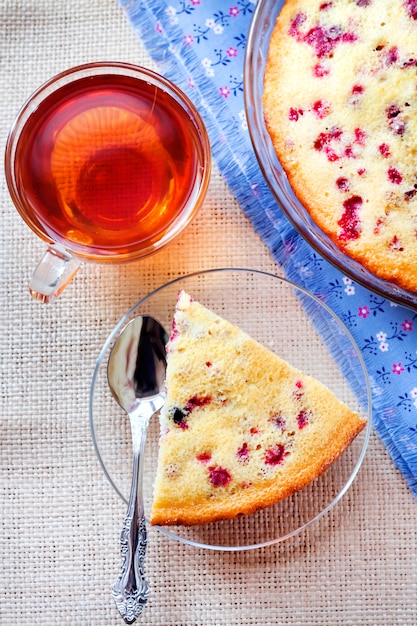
(131, 590)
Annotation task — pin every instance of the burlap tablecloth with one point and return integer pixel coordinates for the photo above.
(61, 519)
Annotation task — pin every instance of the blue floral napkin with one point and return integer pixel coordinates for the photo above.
(200, 45)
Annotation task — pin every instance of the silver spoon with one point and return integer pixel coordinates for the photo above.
(136, 376)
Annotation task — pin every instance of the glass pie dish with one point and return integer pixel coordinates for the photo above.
(262, 25)
(278, 314)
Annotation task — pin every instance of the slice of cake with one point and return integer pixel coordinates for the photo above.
(241, 428)
(340, 105)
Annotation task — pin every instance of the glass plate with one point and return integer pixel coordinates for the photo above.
(262, 24)
(273, 311)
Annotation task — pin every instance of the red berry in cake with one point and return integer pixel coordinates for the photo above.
(396, 245)
(326, 141)
(349, 222)
(392, 56)
(298, 392)
(409, 195)
(394, 176)
(219, 476)
(342, 183)
(357, 91)
(303, 418)
(279, 421)
(204, 457)
(322, 40)
(384, 150)
(196, 401)
(275, 455)
(321, 108)
(320, 70)
(243, 453)
(360, 136)
(411, 8)
(174, 331)
(395, 121)
(380, 222)
(299, 19)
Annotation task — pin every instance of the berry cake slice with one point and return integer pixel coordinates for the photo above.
(241, 428)
(340, 104)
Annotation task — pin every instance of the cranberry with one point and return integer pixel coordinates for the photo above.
(392, 56)
(360, 136)
(396, 245)
(275, 455)
(219, 476)
(411, 8)
(321, 108)
(294, 114)
(349, 222)
(243, 453)
(394, 176)
(393, 111)
(395, 122)
(299, 19)
(279, 422)
(322, 40)
(196, 401)
(380, 222)
(204, 457)
(321, 70)
(323, 141)
(409, 195)
(174, 330)
(384, 150)
(303, 418)
(343, 183)
(349, 154)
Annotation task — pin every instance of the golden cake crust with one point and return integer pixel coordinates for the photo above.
(340, 104)
(241, 429)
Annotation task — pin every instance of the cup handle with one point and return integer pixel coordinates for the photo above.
(53, 273)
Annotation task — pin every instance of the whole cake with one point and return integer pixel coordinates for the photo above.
(340, 105)
(241, 428)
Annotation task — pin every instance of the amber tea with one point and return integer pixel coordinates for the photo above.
(108, 164)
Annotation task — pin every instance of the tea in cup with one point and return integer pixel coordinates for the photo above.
(105, 162)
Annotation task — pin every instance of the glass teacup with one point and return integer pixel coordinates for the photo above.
(105, 162)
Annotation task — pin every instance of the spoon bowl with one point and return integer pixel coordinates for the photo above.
(136, 377)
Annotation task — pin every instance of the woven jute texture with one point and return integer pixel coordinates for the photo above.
(61, 519)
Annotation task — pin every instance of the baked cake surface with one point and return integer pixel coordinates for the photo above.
(340, 105)
(241, 428)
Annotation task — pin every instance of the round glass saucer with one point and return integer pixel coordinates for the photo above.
(278, 314)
